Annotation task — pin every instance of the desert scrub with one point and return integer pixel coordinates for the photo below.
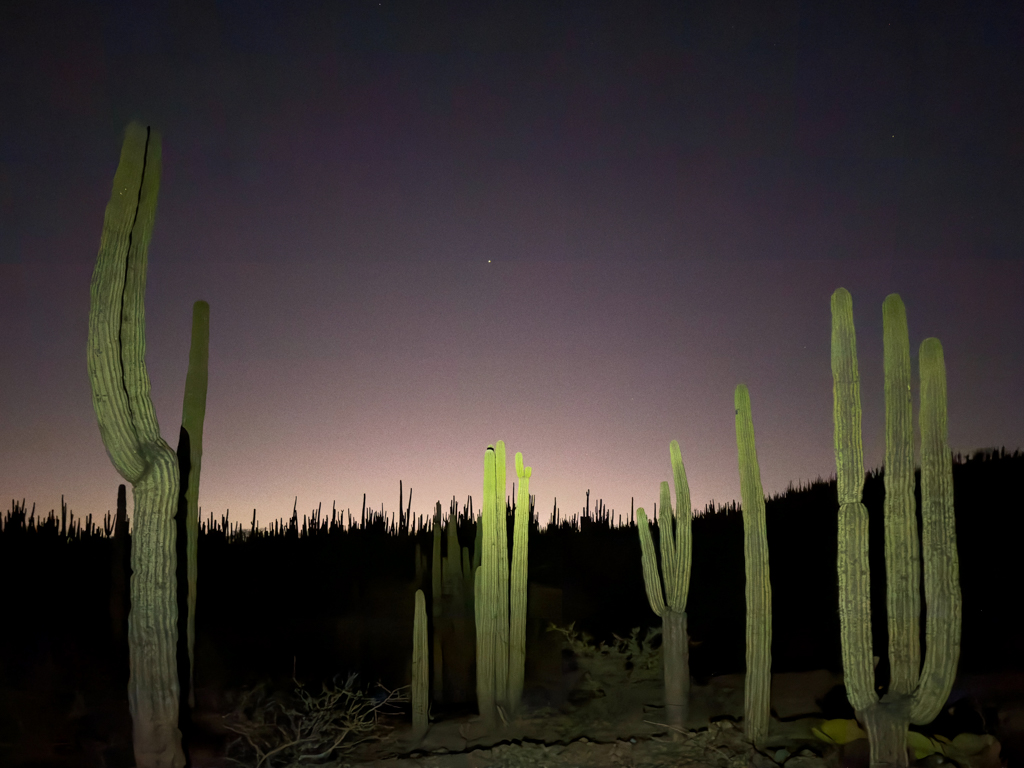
(626, 660)
(280, 731)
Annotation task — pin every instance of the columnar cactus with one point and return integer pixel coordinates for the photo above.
(131, 436)
(913, 696)
(435, 591)
(193, 414)
(491, 591)
(420, 668)
(517, 619)
(757, 688)
(674, 529)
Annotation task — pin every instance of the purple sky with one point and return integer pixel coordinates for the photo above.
(576, 231)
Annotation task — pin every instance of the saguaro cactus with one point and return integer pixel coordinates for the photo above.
(913, 696)
(491, 590)
(131, 436)
(757, 687)
(674, 533)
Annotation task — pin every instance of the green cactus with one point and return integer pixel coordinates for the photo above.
(913, 696)
(495, 664)
(435, 602)
(520, 556)
(128, 426)
(485, 597)
(193, 414)
(420, 668)
(675, 530)
(757, 686)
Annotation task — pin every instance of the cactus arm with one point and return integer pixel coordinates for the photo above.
(652, 581)
(938, 542)
(757, 689)
(902, 566)
(684, 516)
(854, 577)
(193, 414)
(667, 545)
(520, 559)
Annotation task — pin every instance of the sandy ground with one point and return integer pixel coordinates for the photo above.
(620, 728)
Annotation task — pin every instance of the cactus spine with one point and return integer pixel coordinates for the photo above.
(420, 668)
(757, 687)
(128, 426)
(911, 698)
(491, 591)
(674, 530)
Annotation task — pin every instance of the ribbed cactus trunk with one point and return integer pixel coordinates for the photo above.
(758, 683)
(912, 697)
(435, 603)
(496, 665)
(193, 414)
(517, 617)
(674, 529)
(131, 436)
(420, 693)
(485, 591)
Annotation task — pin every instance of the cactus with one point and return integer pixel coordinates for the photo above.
(757, 686)
(435, 602)
(491, 592)
(517, 618)
(420, 668)
(674, 529)
(128, 426)
(193, 413)
(913, 696)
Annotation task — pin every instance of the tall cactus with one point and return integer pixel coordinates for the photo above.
(913, 696)
(674, 529)
(131, 436)
(420, 693)
(517, 617)
(491, 591)
(435, 603)
(193, 414)
(757, 687)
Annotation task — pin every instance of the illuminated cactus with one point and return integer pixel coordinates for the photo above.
(491, 592)
(520, 556)
(757, 686)
(674, 530)
(131, 436)
(913, 696)
(420, 668)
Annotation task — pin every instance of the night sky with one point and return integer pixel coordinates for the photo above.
(576, 227)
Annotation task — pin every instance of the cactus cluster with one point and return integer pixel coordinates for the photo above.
(501, 647)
